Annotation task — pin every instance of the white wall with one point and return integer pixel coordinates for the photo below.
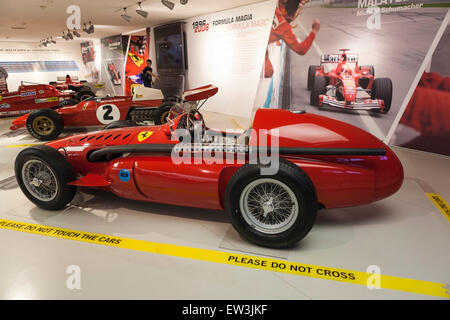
(27, 51)
(230, 56)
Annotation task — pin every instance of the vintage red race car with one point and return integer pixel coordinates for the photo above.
(31, 96)
(340, 82)
(315, 162)
(146, 104)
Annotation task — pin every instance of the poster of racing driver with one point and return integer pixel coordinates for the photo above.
(285, 13)
(391, 51)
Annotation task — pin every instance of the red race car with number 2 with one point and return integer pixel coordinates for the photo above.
(146, 104)
(322, 163)
(340, 82)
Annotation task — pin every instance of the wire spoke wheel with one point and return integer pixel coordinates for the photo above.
(269, 206)
(43, 125)
(40, 180)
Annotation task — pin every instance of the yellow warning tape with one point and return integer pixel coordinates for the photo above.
(441, 204)
(295, 268)
(22, 145)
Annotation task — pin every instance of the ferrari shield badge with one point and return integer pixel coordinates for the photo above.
(144, 135)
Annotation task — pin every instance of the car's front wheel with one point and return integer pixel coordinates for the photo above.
(45, 124)
(271, 210)
(42, 174)
(382, 89)
(319, 86)
(311, 76)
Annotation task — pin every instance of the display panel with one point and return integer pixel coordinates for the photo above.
(169, 44)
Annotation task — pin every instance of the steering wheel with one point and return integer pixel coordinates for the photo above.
(191, 121)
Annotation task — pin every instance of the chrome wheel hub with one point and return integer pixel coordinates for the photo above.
(40, 180)
(269, 205)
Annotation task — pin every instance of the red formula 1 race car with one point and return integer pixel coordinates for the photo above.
(146, 104)
(83, 89)
(322, 163)
(114, 74)
(31, 96)
(340, 82)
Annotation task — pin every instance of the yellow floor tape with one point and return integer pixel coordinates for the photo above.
(295, 268)
(441, 204)
(23, 145)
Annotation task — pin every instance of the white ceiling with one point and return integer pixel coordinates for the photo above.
(45, 18)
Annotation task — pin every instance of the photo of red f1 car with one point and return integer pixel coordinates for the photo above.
(146, 104)
(340, 82)
(322, 163)
(114, 74)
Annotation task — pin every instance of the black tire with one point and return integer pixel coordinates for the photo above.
(318, 88)
(311, 76)
(299, 184)
(382, 89)
(58, 165)
(160, 114)
(83, 95)
(68, 102)
(171, 99)
(120, 124)
(38, 121)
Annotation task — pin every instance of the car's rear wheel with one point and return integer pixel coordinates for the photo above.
(382, 89)
(271, 210)
(45, 124)
(42, 174)
(160, 115)
(318, 88)
(311, 76)
(84, 95)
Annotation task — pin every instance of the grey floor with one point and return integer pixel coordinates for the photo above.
(405, 235)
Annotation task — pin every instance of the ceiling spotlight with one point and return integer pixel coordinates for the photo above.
(124, 15)
(168, 4)
(76, 33)
(69, 35)
(183, 2)
(65, 37)
(52, 41)
(141, 12)
(85, 28)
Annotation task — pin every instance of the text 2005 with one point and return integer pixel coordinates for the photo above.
(200, 26)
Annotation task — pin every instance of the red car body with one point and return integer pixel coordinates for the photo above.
(93, 112)
(30, 97)
(322, 163)
(330, 158)
(103, 111)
